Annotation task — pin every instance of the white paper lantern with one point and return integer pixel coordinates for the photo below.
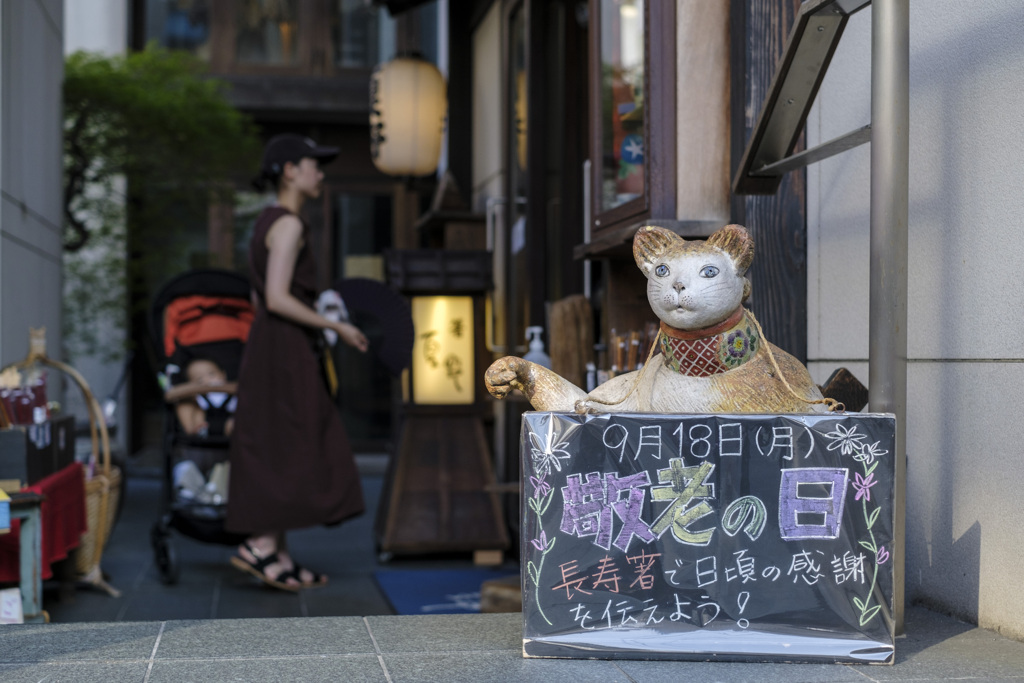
(408, 106)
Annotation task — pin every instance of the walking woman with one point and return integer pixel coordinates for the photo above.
(291, 462)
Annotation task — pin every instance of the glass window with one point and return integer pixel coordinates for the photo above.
(179, 25)
(362, 223)
(357, 33)
(622, 102)
(267, 32)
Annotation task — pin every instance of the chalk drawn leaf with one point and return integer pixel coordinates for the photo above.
(858, 603)
(871, 469)
(545, 503)
(869, 545)
(873, 516)
(534, 505)
(531, 569)
(869, 615)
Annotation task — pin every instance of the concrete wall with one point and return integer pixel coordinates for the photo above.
(488, 163)
(965, 526)
(702, 144)
(31, 70)
(96, 26)
(488, 105)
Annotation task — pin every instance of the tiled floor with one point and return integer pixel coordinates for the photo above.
(210, 588)
(213, 626)
(476, 648)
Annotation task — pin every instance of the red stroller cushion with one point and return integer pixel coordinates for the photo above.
(201, 319)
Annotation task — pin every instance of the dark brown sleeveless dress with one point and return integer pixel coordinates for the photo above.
(291, 461)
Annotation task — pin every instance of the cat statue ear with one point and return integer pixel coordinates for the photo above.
(737, 242)
(651, 243)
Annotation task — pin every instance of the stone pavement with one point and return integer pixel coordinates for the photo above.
(210, 588)
(214, 626)
(475, 648)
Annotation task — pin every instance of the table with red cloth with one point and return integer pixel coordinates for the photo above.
(63, 522)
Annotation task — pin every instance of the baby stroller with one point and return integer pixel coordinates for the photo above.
(204, 315)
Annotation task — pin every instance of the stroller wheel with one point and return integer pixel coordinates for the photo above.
(166, 560)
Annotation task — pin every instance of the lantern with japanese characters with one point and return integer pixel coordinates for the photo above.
(408, 106)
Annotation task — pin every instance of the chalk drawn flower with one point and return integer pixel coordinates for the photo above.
(546, 453)
(846, 440)
(541, 542)
(867, 454)
(862, 485)
(540, 487)
(882, 555)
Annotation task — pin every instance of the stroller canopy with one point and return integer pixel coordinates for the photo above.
(204, 313)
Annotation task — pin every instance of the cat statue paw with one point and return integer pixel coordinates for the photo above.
(712, 357)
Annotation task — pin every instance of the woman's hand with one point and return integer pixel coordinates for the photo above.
(352, 335)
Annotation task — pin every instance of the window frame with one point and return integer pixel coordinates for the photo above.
(314, 49)
(659, 196)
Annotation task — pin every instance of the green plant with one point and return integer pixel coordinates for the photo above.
(149, 142)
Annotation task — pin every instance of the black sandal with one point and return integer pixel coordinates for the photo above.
(317, 581)
(256, 569)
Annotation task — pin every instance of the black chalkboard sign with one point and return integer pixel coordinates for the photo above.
(731, 537)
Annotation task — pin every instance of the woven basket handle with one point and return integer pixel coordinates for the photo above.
(98, 433)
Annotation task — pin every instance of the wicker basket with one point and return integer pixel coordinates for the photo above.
(101, 500)
(102, 480)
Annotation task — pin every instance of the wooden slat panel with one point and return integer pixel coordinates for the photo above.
(439, 497)
(777, 222)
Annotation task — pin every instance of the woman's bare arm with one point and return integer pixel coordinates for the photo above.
(284, 241)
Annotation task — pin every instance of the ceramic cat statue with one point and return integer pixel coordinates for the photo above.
(712, 357)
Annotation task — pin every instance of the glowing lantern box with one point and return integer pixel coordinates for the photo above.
(443, 350)
(438, 496)
(708, 537)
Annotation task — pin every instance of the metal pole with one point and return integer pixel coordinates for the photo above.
(587, 216)
(890, 163)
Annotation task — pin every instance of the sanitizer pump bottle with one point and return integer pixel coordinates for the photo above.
(536, 353)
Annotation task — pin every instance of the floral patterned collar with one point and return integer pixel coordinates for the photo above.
(712, 350)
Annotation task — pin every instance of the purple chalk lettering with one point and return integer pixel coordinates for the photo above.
(802, 515)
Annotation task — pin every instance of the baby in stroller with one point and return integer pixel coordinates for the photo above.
(199, 324)
(205, 403)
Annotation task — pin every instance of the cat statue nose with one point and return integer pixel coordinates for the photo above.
(678, 286)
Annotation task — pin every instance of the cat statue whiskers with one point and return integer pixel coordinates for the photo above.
(713, 358)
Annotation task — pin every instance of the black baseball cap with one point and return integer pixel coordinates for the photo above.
(291, 147)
